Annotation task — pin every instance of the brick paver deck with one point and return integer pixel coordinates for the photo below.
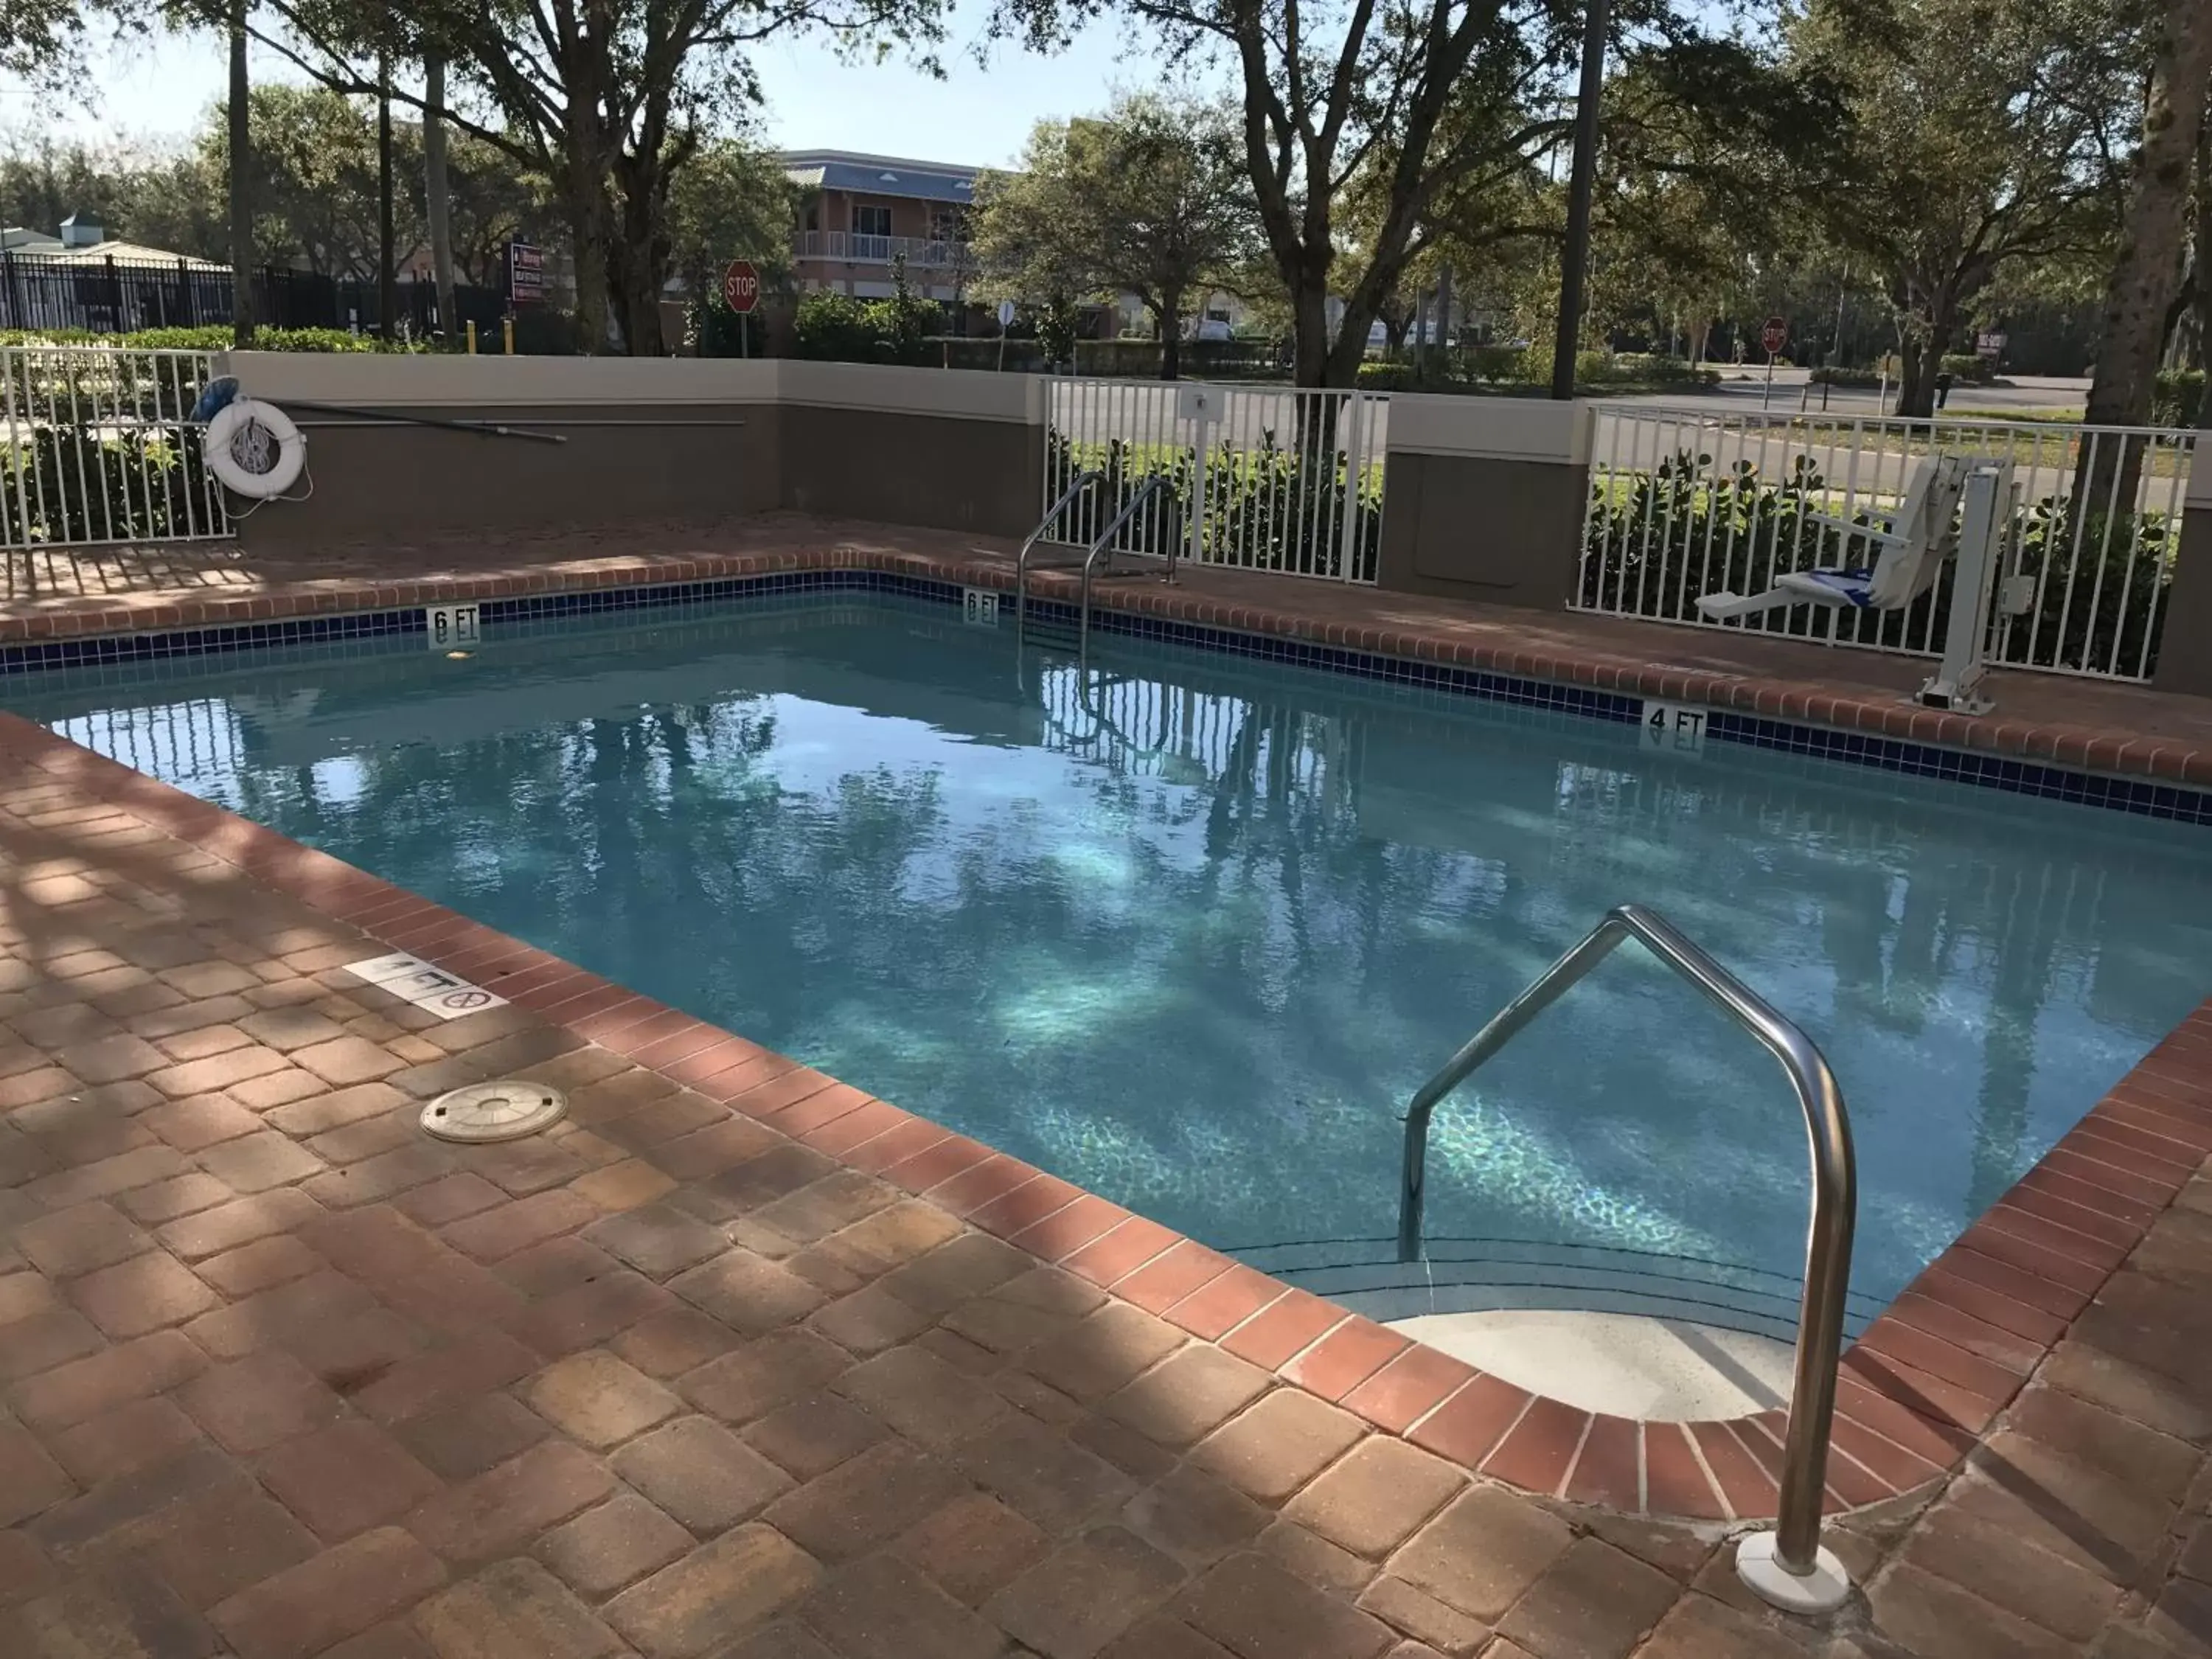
(2110, 727)
(739, 1364)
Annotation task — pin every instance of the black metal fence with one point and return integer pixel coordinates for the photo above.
(120, 296)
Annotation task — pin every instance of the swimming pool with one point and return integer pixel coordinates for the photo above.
(1188, 929)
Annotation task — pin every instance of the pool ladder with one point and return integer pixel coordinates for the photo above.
(1787, 1567)
(1101, 548)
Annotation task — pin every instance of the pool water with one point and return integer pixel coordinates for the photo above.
(1188, 929)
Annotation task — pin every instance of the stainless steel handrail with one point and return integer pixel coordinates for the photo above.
(1157, 485)
(1835, 1200)
(1083, 482)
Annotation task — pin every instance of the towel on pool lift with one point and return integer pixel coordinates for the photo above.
(1913, 551)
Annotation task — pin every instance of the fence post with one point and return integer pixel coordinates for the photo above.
(1347, 551)
(115, 296)
(187, 300)
(15, 295)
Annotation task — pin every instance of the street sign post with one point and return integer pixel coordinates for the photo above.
(1773, 335)
(1006, 322)
(741, 290)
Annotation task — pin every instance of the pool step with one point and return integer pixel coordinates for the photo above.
(1366, 1277)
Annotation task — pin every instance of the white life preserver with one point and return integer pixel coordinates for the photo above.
(254, 448)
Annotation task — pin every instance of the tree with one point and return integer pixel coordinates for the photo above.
(437, 188)
(315, 181)
(238, 160)
(608, 103)
(1429, 94)
(1975, 139)
(2146, 269)
(732, 200)
(164, 197)
(1147, 199)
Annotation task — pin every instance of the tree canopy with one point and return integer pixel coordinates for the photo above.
(1147, 198)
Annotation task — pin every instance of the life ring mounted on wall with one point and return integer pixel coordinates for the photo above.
(254, 448)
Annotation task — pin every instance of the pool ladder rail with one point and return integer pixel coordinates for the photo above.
(1787, 1567)
(1100, 553)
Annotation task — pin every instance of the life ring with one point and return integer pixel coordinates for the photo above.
(254, 448)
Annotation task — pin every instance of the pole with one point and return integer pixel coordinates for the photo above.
(437, 190)
(472, 336)
(506, 327)
(239, 160)
(1767, 391)
(1574, 261)
(387, 280)
(745, 335)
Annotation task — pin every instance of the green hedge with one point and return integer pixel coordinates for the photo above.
(214, 337)
(2179, 397)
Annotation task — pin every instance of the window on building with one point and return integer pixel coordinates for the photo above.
(947, 224)
(870, 220)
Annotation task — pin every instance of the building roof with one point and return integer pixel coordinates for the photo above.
(880, 175)
(123, 253)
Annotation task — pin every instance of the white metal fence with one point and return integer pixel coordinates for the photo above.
(99, 448)
(1685, 503)
(1263, 477)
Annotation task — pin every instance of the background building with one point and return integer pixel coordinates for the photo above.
(862, 212)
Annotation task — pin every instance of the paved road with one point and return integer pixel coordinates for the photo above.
(1745, 396)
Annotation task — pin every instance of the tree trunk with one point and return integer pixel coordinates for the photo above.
(1310, 352)
(588, 252)
(1170, 318)
(1446, 333)
(2148, 263)
(2204, 271)
(436, 193)
(240, 153)
(387, 278)
(1922, 353)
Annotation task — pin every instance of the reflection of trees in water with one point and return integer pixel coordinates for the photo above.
(1303, 964)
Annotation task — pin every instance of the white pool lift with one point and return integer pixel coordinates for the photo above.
(1914, 545)
(1913, 551)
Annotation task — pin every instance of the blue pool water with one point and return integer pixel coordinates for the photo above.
(1190, 933)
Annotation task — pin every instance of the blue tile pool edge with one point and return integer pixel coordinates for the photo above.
(2144, 797)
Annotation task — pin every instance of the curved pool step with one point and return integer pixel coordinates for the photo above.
(1483, 1276)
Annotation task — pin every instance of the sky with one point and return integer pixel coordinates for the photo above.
(975, 116)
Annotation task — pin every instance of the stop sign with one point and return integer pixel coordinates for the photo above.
(1775, 334)
(741, 285)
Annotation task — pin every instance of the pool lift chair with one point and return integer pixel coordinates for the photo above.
(1914, 545)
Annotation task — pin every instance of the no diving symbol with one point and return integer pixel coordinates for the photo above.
(463, 1001)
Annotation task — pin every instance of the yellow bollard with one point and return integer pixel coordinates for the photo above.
(508, 325)
(472, 338)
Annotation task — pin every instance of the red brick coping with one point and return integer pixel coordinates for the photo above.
(1919, 1387)
(1298, 610)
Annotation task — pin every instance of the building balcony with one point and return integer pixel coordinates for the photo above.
(851, 247)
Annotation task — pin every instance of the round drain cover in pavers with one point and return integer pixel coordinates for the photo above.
(505, 1110)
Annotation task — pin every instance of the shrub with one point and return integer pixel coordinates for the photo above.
(75, 483)
(839, 328)
(1261, 512)
(1686, 528)
(212, 337)
(2179, 398)
(1832, 374)
(1970, 367)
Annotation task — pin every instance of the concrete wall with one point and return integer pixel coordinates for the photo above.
(2184, 649)
(1484, 498)
(646, 439)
